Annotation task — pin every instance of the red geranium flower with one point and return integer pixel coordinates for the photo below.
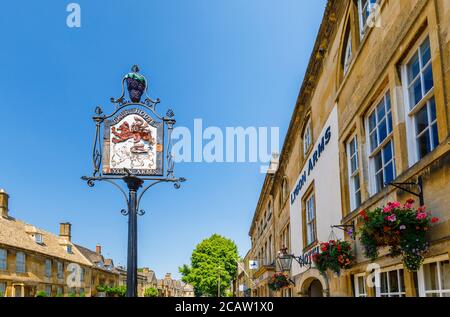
(434, 219)
(410, 201)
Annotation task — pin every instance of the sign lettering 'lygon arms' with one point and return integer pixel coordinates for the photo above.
(133, 141)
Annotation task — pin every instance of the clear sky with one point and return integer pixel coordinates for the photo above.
(229, 62)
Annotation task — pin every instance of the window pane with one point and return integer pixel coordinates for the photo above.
(354, 164)
(425, 51)
(428, 78)
(413, 68)
(432, 107)
(389, 122)
(421, 120)
(356, 183)
(387, 152)
(381, 110)
(384, 285)
(358, 199)
(430, 276)
(423, 144)
(372, 122)
(402, 280)
(388, 173)
(434, 136)
(393, 281)
(382, 129)
(379, 182)
(445, 274)
(415, 92)
(378, 162)
(361, 285)
(373, 141)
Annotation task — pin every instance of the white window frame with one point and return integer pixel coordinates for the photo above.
(38, 238)
(421, 277)
(411, 111)
(401, 292)
(307, 138)
(22, 262)
(348, 53)
(310, 222)
(3, 259)
(363, 24)
(389, 138)
(352, 176)
(358, 292)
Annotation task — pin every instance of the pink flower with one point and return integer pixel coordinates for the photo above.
(387, 209)
(395, 204)
(421, 209)
(421, 215)
(392, 218)
(408, 206)
(402, 227)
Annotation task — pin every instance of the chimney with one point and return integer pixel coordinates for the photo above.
(98, 249)
(3, 203)
(65, 230)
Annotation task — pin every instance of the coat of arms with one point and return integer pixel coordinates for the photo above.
(133, 141)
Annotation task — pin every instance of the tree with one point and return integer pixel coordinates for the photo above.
(213, 262)
(151, 292)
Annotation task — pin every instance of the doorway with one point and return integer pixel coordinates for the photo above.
(315, 289)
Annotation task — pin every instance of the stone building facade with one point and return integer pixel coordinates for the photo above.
(372, 109)
(35, 261)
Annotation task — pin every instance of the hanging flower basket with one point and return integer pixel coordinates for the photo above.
(279, 281)
(336, 255)
(402, 228)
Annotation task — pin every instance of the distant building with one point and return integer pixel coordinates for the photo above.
(169, 287)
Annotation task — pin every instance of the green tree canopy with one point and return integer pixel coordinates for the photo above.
(212, 258)
(151, 292)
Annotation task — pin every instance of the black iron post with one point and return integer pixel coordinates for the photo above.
(137, 86)
(133, 184)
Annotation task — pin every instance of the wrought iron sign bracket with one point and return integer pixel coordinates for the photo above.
(419, 185)
(346, 228)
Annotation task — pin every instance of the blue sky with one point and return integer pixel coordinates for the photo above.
(228, 62)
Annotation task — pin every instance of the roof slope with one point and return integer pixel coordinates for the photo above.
(18, 234)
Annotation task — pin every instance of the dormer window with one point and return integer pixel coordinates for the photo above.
(69, 248)
(38, 238)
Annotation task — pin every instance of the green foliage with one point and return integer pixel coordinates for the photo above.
(41, 294)
(335, 255)
(151, 292)
(72, 294)
(400, 227)
(113, 291)
(213, 257)
(82, 294)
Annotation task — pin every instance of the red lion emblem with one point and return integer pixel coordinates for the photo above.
(139, 131)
